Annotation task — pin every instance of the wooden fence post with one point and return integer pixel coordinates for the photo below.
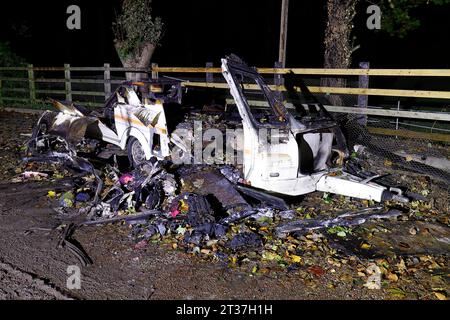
(107, 78)
(209, 75)
(278, 80)
(154, 73)
(31, 84)
(68, 84)
(363, 100)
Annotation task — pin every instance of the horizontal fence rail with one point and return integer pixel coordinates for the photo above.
(329, 72)
(374, 111)
(92, 85)
(317, 71)
(338, 90)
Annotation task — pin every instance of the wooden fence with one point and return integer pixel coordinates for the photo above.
(32, 91)
(362, 92)
(329, 72)
(27, 93)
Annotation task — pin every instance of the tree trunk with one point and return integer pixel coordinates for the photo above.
(140, 60)
(338, 46)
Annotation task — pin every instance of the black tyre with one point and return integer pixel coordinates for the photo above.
(135, 151)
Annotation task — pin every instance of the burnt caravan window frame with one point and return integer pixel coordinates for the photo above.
(279, 115)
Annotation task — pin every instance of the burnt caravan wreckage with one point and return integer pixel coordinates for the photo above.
(133, 118)
(303, 152)
(308, 153)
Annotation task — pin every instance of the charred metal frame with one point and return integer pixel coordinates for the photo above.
(299, 162)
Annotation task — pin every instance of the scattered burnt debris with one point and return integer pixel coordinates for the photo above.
(257, 214)
(73, 246)
(345, 220)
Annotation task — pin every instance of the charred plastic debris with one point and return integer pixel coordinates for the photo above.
(230, 213)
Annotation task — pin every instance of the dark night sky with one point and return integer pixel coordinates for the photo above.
(201, 30)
